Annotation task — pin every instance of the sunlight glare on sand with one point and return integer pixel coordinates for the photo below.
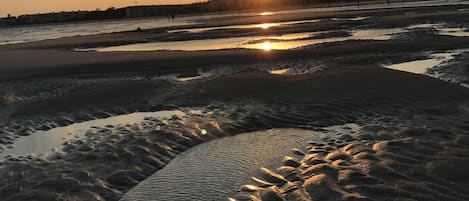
(267, 46)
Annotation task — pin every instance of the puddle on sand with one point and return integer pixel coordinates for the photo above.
(350, 19)
(297, 70)
(443, 29)
(282, 42)
(454, 31)
(44, 142)
(198, 45)
(200, 75)
(279, 72)
(196, 77)
(422, 66)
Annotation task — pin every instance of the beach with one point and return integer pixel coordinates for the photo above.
(368, 103)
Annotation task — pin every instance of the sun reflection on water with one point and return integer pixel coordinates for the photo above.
(266, 13)
(266, 25)
(267, 46)
(279, 72)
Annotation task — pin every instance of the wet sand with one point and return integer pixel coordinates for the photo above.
(231, 162)
(412, 145)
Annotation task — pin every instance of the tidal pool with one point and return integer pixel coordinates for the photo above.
(44, 142)
(425, 66)
(422, 66)
(444, 29)
(267, 43)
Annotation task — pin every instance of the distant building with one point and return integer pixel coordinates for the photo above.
(147, 11)
(8, 21)
(51, 17)
(164, 10)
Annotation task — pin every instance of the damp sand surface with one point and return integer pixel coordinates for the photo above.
(44, 142)
(219, 167)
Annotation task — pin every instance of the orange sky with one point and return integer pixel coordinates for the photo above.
(19, 7)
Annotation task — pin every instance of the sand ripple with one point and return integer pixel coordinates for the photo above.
(213, 170)
(412, 164)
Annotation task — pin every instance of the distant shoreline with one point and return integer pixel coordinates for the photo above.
(150, 11)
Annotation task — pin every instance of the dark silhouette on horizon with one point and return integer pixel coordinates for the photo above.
(210, 6)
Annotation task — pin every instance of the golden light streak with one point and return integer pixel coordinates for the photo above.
(266, 25)
(266, 13)
(267, 46)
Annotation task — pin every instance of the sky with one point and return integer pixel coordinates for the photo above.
(20, 7)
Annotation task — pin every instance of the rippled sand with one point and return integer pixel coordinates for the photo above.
(213, 170)
(412, 144)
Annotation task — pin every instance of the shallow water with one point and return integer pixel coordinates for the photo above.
(443, 29)
(454, 31)
(20, 34)
(267, 43)
(247, 26)
(43, 142)
(422, 66)
(196, 77)
(264, 25)
(279, 71)
(196, 45)
(425, 66)
(299, 70)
